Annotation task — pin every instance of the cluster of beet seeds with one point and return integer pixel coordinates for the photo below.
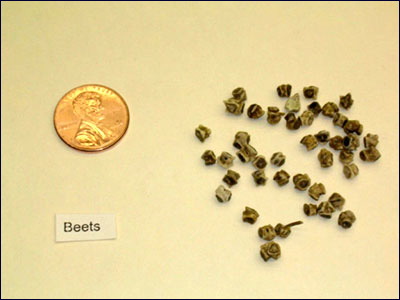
(246, 153)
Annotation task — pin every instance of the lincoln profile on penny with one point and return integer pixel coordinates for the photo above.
(88, 107)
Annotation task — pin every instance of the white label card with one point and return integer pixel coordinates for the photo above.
(85, 227)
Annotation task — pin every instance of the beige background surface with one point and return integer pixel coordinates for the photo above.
(174, 63)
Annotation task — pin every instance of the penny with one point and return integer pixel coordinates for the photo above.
(91, 117)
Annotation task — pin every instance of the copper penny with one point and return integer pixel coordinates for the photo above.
(91, 117)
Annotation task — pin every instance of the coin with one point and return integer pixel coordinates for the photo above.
(91, 117)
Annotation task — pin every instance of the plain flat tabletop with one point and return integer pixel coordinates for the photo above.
(174, 63)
